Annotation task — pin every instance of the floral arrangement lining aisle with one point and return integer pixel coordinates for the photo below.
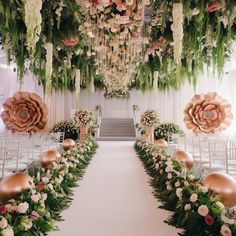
(34, 211)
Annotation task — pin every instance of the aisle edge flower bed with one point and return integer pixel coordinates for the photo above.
(196, 209)
(34, 211)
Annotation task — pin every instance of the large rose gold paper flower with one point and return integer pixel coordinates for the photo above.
(24, 112)
(207, 113)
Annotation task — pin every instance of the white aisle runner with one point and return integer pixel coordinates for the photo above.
(114, 198)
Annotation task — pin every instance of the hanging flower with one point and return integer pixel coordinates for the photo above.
(49, 68)
(33, 20)
(177, 28)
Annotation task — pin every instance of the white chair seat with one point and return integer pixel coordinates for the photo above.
(12, 166)
(214, 166)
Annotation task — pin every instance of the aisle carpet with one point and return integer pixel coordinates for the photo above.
(114, 198)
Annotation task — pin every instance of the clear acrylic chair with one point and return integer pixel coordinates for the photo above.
(231, 158)
(217, 156)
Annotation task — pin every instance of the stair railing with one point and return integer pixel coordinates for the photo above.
(99, 121)
(135, 119)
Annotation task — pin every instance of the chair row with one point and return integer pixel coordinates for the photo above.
(210, 153)
(17, 151)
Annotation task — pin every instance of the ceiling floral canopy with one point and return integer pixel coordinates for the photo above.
(117, 45)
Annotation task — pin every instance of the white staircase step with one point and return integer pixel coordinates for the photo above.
(117, 129)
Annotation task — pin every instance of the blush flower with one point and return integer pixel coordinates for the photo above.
(23, 207)
(24, 112)
(225, 231)
(193, 197)
(203, 210)
(207, 113)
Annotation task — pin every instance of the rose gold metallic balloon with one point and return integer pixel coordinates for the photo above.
(185, 158)
(13, 185)
(49, 157)
(161, 143)
(224, 186)
(68, 144)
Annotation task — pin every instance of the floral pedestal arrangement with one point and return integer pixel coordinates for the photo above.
(149, 133)
(83, 132)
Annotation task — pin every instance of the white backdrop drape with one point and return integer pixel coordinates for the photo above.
(169, 104)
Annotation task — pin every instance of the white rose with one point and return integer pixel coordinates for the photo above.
(23, 207)
(203, 189)
(3, 223)
(8, 231)
(44, 196)
(169, 187)
(203, 210)
(169, 176)
(191, 177)
(45, 180)
(227, 220)
(29, 225)
(50, 186)
(193, 197)
(220, 205)
(179, 192)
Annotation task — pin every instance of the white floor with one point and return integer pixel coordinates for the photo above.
(114, 198)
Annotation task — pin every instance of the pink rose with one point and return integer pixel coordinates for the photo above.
(203, 210)
(225, 231)
(193, 197)
(23, 207)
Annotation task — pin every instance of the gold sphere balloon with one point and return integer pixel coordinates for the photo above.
(49, 157)
(161, 143)
(13, 185)
(185, 158)
(222, 185)
(68, 144)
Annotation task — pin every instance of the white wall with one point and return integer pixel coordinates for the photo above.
(169, 104)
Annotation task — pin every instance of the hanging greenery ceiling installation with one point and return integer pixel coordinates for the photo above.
(117, 45)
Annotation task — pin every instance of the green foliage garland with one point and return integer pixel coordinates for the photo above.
(196, 209)
(33, 212)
